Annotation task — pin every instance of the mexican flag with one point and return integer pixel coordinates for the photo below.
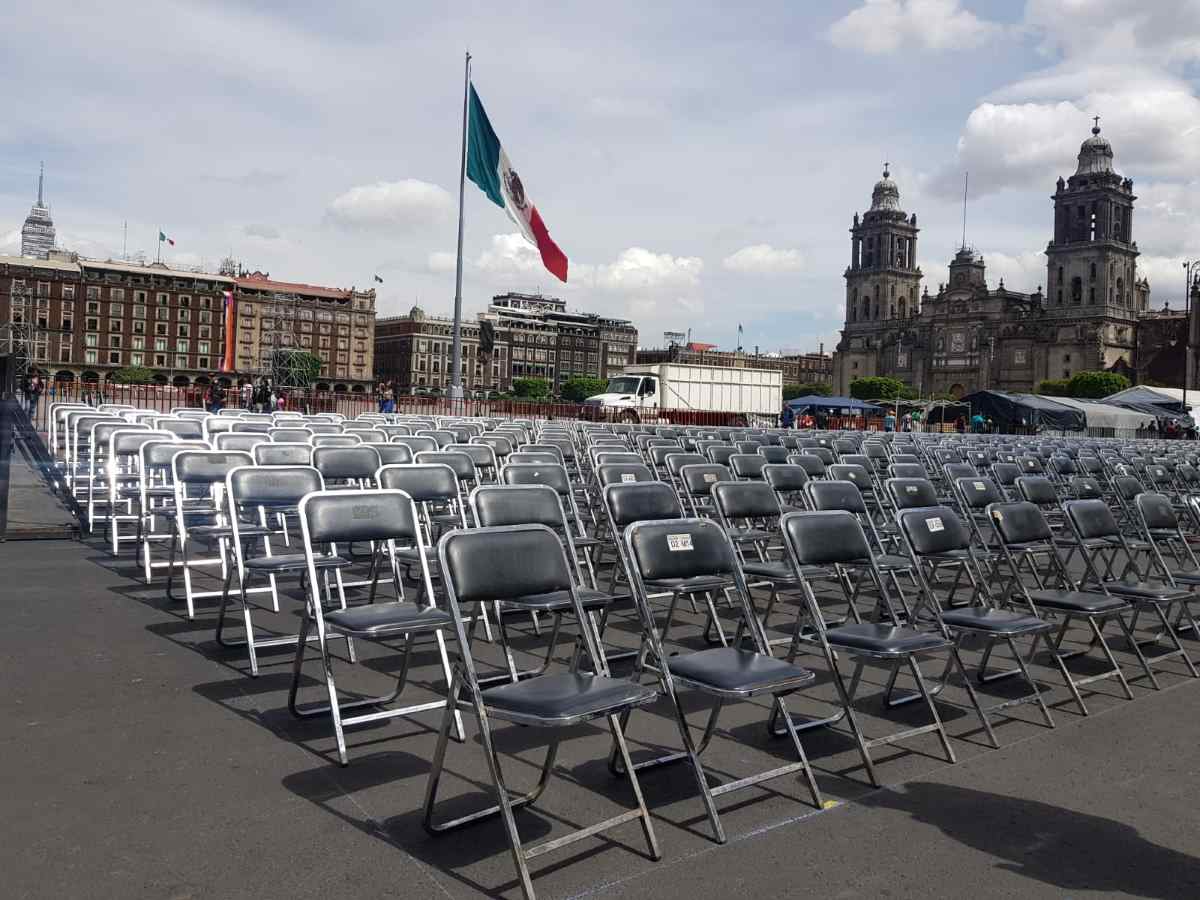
(490, 168)
(162, 237)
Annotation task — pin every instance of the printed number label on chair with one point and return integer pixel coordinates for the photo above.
(912, 489)
(978, 485)
(628, 477)
(678, 542)
(934, 523)
(709, 478)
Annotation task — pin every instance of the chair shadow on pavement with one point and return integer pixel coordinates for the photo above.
(1064, 848)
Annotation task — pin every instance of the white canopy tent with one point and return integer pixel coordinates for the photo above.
(1105, 415)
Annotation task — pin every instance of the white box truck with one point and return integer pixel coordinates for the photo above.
(670, 392)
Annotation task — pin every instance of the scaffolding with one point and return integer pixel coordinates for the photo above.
(24, 341)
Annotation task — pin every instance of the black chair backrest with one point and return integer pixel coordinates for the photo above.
(463, 465)
(253, 427)
(747, 465)
(346, 462)
(424, 483)
(485, 564)
(187, 429)
(290, 435)
(623, 473)
(416, 443)
(159, 454)
(912, 493)
(354, 516)
(958, 470)
(1091, 519)
(393, 454)
(1084, 487)
(283, 454)
(481, 455)
(785, 478)
(745, 499)
(274, 485)
(336, 440)
(774, 453)
(1019, 523)
(517, 504)
(933, 530)
(836, 495)
(698, 479)
(856, 475)
(1038, 489)
(978, 493)
(810, 463)
(687, 548)
(125, 442)
(552, 475)
(643, 501)
(208, 466)
(825, 538)
(1156, 511)
(1127, 487)
(1006, 473)
(676, 461)
(907, 470)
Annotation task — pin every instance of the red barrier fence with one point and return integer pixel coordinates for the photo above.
(168, 397)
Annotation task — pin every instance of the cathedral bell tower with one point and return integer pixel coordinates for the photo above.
(882, 287)
(1092, 262)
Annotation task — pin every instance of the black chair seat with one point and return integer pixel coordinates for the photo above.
(565, 698)
(226, 530)
(750, 535)
(1082, 602)
(382, 619)
(1191, 577)
(293, 562)
(557, 601)
(695, 585)
(884, 639)
(411, 556)
(728, 670)
(772, 571)
(993, 621)
(890, 562)
(1147, 591)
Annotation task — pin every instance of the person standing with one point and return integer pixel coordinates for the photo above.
(35, 393)
(889, 421)
(388, 398)
(247, 393)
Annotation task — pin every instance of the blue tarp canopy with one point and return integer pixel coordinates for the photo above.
(815, 402)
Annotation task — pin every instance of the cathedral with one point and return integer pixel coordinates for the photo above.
(970, 336)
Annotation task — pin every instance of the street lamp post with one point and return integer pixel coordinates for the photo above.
(1189, 266)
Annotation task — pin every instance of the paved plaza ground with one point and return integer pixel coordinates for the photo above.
(143, 761)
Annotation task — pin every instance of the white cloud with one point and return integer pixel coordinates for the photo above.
(508, 254)
(405, 205)
(10, 242)
(260, 230)
(637, 269)
(884, 26)
(763, 259)
(441, 261)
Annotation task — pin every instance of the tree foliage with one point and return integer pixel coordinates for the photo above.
(579, 387)
(1094, 385)
(880, 387)
(531, 388)
(1053, 387)
(807, 389)
(132, 375)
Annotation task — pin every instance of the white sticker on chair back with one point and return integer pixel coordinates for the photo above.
(978, 485)
(912, 488)
(934, 523)
(710, 477)
(678, 542)
(627, 477)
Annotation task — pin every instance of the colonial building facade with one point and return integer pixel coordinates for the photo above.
(969, 336)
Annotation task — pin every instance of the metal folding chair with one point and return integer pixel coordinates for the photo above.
(700, 549)
(485, 566)
(383, 519)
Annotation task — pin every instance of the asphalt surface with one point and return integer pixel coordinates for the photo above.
(141, 760)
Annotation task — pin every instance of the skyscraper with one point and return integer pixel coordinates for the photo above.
(37, 234)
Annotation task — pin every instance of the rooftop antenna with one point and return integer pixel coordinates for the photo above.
(125, 241)
(966, 182)
(41, 178)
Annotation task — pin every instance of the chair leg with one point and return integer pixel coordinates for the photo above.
(937, 719)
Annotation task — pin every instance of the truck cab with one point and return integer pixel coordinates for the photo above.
(628, 391)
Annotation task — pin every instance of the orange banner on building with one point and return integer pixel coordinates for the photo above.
(227, 361)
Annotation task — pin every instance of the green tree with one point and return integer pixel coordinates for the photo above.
(1053, 387)
(531, 388)
(880, 387)
(807, 389)
(1095, 385)
(132, 375)
(579, 387)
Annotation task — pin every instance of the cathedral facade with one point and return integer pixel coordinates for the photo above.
(969, 336)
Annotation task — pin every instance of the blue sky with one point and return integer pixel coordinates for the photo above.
(699, 163)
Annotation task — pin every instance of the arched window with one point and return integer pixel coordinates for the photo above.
(1121, 298)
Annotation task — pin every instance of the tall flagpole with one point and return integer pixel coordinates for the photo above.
(456, 390)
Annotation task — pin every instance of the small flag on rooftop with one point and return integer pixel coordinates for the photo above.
(162, 237)
(378, 279)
